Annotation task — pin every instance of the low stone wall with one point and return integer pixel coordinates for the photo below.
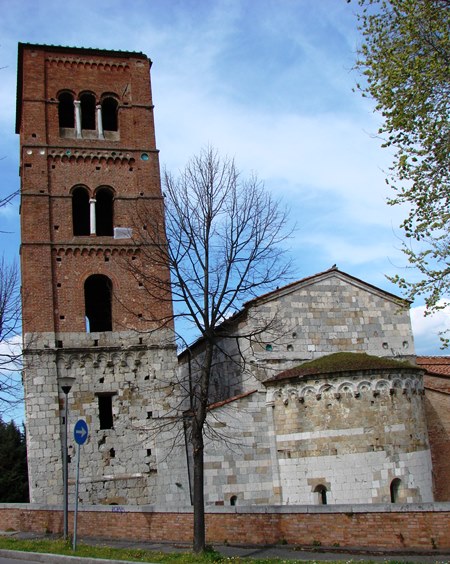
(424, 526)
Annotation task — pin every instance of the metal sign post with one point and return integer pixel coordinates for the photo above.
(80, 434)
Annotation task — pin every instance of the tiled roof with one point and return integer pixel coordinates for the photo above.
(439, 365)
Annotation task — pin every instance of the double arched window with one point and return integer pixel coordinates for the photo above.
(98, 303)
(93, 216)
(86, 118)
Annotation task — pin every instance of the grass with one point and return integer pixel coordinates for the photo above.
(59, 546)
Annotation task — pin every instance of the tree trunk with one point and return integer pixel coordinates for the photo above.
(198, 422)
(199, 502)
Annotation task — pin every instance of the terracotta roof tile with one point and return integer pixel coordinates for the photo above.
(439, 365)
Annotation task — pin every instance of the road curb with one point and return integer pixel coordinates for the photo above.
(46, 558)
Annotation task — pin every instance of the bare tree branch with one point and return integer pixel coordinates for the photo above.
(223, 240)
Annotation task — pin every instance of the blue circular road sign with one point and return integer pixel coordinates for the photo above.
(80, 432)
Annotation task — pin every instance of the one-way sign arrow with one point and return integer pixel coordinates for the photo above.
(80, 432)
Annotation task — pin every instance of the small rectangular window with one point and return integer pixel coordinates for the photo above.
(105, 412)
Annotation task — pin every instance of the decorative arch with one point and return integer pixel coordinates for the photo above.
(98, 303)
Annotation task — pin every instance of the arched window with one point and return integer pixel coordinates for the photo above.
(98, 302)
(66, 114)
(80, 211)
(233, 500)
(104, 211)
(395, 489)
(321, 492)
(87, 111)
(109, 114)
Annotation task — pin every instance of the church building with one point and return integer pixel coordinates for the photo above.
(325, 408)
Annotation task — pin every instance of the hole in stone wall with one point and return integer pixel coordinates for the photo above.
(149, 452)
(149, 414)
(112, 453)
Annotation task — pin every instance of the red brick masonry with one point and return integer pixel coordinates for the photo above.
(424, 526)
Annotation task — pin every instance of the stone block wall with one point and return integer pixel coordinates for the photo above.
(352, 434)
(120, 461)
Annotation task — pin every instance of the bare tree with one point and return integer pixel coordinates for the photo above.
(224, 245)
(10, 323)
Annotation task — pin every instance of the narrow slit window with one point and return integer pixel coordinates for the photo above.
(395, 490)
(321, 492)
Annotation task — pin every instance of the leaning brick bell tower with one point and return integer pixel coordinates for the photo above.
(88, 161)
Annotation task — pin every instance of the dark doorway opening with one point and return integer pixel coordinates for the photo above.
(98, 302)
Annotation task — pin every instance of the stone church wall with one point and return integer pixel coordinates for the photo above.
(119, 463)
(353, 434)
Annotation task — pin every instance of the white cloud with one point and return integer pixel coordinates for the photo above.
(426, 329)
(267, 82)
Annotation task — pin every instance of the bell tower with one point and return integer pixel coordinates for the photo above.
(88, 164)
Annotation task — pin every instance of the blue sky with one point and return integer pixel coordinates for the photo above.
(266, 81)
